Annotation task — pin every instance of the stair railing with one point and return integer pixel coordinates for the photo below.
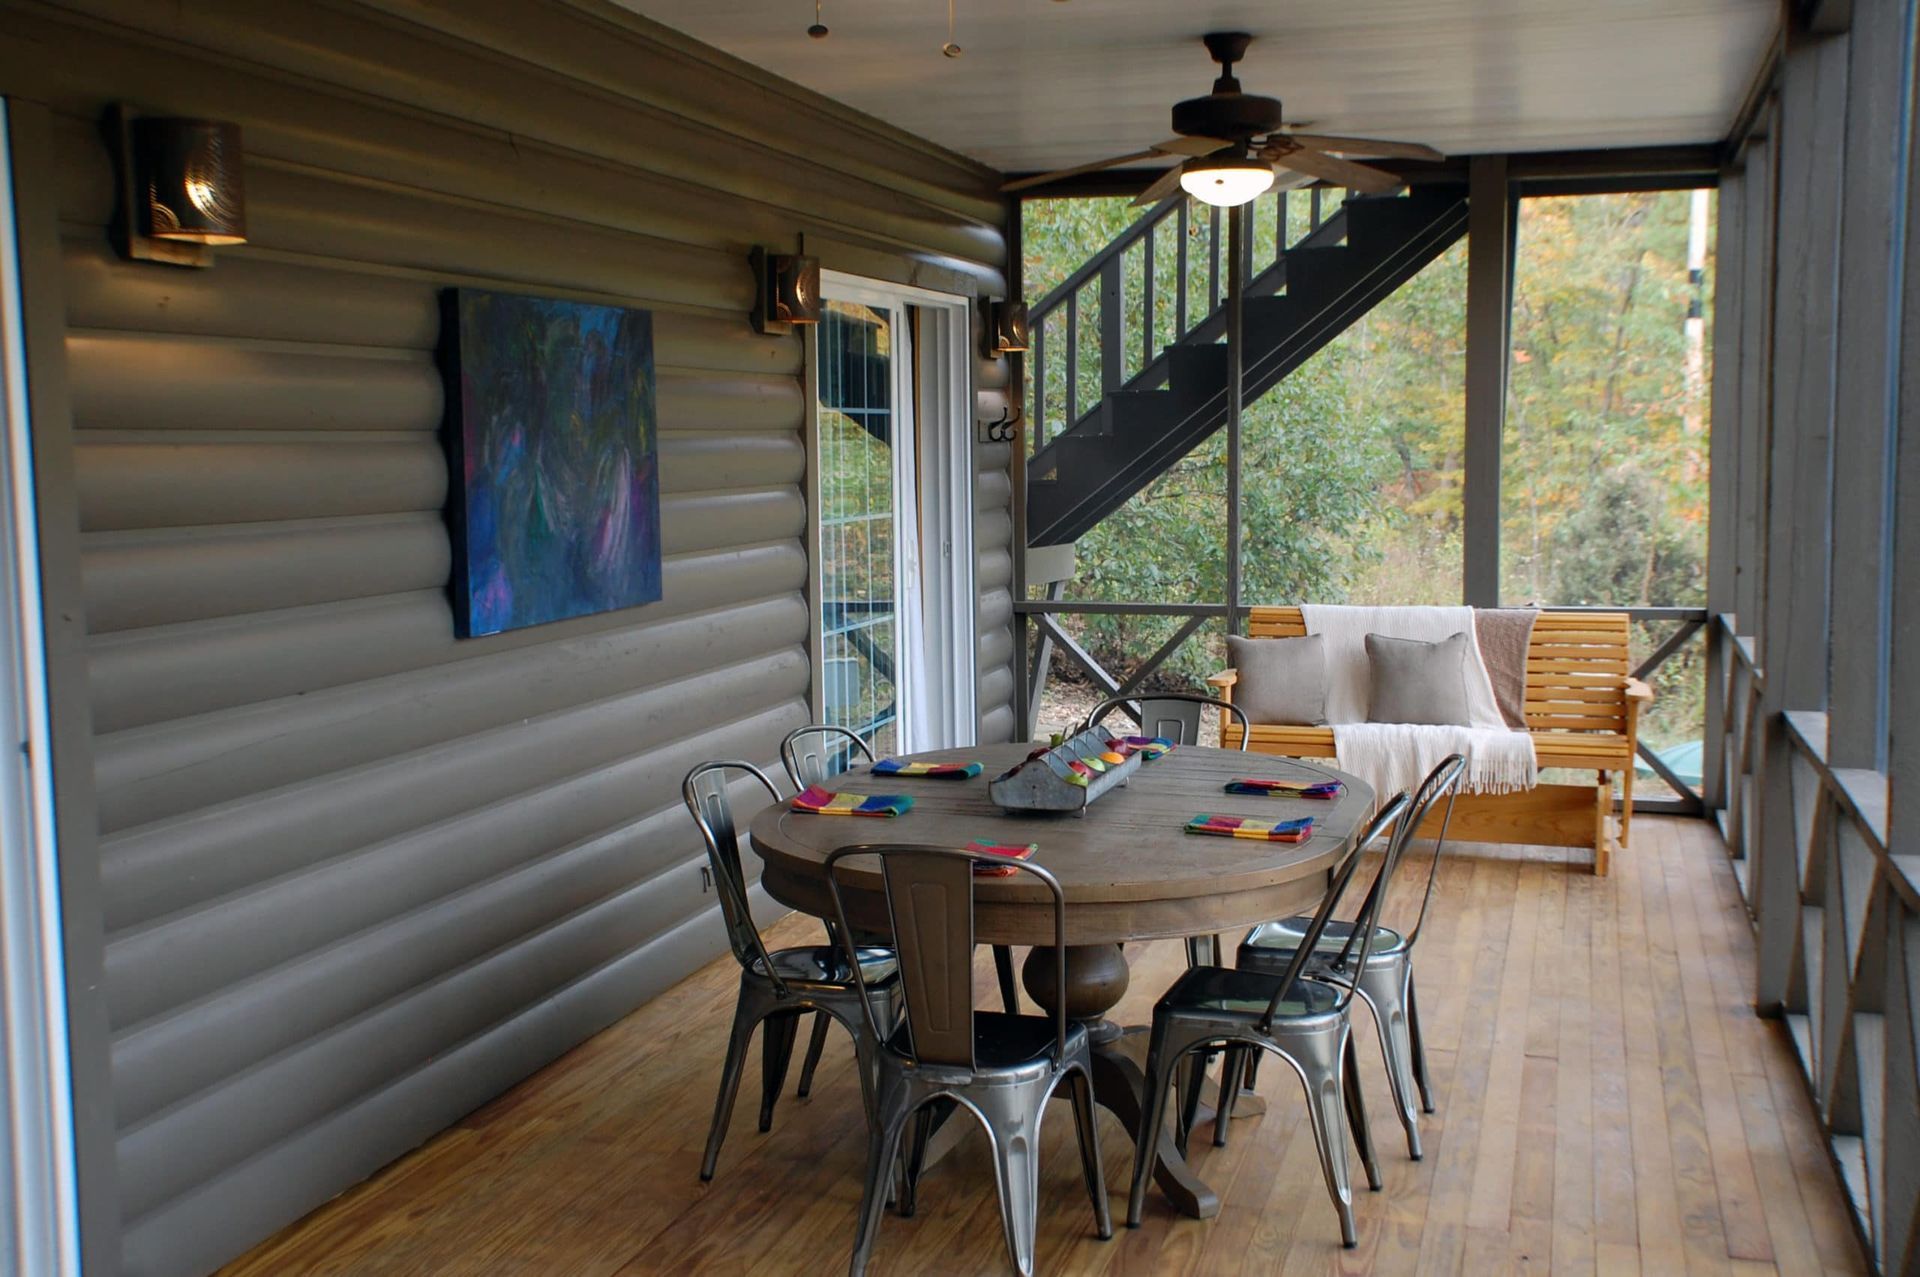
(1130, 333)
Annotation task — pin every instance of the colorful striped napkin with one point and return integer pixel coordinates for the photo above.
(1152, 746)
(1285, 788)
(1011, 850)
(1245, 827)
(824, 802)
(932, 771)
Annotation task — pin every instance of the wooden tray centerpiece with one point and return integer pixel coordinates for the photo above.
(1070, 775)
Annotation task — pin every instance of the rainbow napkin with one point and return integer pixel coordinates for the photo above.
(1152, 746)
(824, 802)
(1245, 827)
(1285, 788)
(933, 771)
(1011, 850)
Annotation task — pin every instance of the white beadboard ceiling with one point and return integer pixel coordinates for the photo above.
(1044, 85)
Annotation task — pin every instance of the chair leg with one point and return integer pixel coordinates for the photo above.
(1193, 1080)
(776, 1052)
(1009, 987)
(1087, 1125)
(1383, 990)
(815, 1045)
(1329, 1119)
(737, 1042)
(1232, 1061)
(1153, 1116)
(883, 1144)
(1357, 1114)
(1419, 1049)
(919, 1135)
(1016, 1170)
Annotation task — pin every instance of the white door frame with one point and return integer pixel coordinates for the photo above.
(39, 1221)
(934, 482)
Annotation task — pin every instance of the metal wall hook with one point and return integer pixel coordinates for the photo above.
(1006, 429)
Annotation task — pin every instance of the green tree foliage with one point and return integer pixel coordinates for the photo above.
(1354, 464)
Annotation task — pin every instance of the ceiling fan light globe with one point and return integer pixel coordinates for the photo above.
(1226, 182)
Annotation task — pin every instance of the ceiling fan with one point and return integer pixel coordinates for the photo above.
(1235, 144)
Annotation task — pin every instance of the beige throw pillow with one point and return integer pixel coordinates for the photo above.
(1416, 682)
(1281, 680)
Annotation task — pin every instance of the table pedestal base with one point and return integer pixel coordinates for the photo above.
(1096, 980)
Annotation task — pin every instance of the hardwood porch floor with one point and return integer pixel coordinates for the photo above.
(1608, 1103)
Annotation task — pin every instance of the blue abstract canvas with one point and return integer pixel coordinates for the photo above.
(555, 499)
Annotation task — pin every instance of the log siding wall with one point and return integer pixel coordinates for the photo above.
(357, 877)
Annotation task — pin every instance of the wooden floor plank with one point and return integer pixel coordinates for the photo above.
(1609, 1104)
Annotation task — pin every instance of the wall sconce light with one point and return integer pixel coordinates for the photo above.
(181, 189)
(1006, 328)
(788, 293)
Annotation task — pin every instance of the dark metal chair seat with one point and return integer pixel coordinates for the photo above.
(1245, 995)
(1004, 1043)
(1285, 935)
(1385, 981)
(827, 964)
(1305, 1022)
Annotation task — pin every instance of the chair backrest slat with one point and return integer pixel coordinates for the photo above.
(816, 753)
(930, 899)
(929, 893)
(705, 791)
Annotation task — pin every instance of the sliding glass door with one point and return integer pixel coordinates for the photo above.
(892, 447)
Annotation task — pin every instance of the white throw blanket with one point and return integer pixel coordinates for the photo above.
(1397, 756)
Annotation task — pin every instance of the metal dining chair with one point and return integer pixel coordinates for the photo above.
(1173, 715)
(858, 986)
(813, 755)
(1385, 976)
(1304, 1021)
(1002, 1068)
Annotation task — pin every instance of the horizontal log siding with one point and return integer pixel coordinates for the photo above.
(359, 877)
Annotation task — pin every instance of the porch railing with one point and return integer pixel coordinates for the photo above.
(1839, 913)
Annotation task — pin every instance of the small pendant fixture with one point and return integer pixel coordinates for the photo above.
(819, 29)
(950, 48)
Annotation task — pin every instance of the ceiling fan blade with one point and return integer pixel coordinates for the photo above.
(1041, 179)
(1365, 146)
(1332, 168)
(1164, 185)
(1192, 145)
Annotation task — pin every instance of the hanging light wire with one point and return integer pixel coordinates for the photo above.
(819, 29)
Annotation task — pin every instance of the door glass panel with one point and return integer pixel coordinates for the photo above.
(859, 597)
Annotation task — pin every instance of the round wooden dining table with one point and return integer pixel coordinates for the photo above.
(1127, 866)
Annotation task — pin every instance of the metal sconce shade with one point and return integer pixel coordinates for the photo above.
(788, 287)
(1006, 328)
(190, 180)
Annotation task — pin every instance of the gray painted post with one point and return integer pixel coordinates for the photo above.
(1489, 300)
(1865, 387)
(1795, 614)
(1722, 471)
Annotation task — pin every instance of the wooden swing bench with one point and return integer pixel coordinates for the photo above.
(1582, 709)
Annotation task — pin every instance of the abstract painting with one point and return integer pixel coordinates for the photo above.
(555, 500)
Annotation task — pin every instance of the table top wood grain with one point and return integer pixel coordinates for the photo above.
(1128, 868)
